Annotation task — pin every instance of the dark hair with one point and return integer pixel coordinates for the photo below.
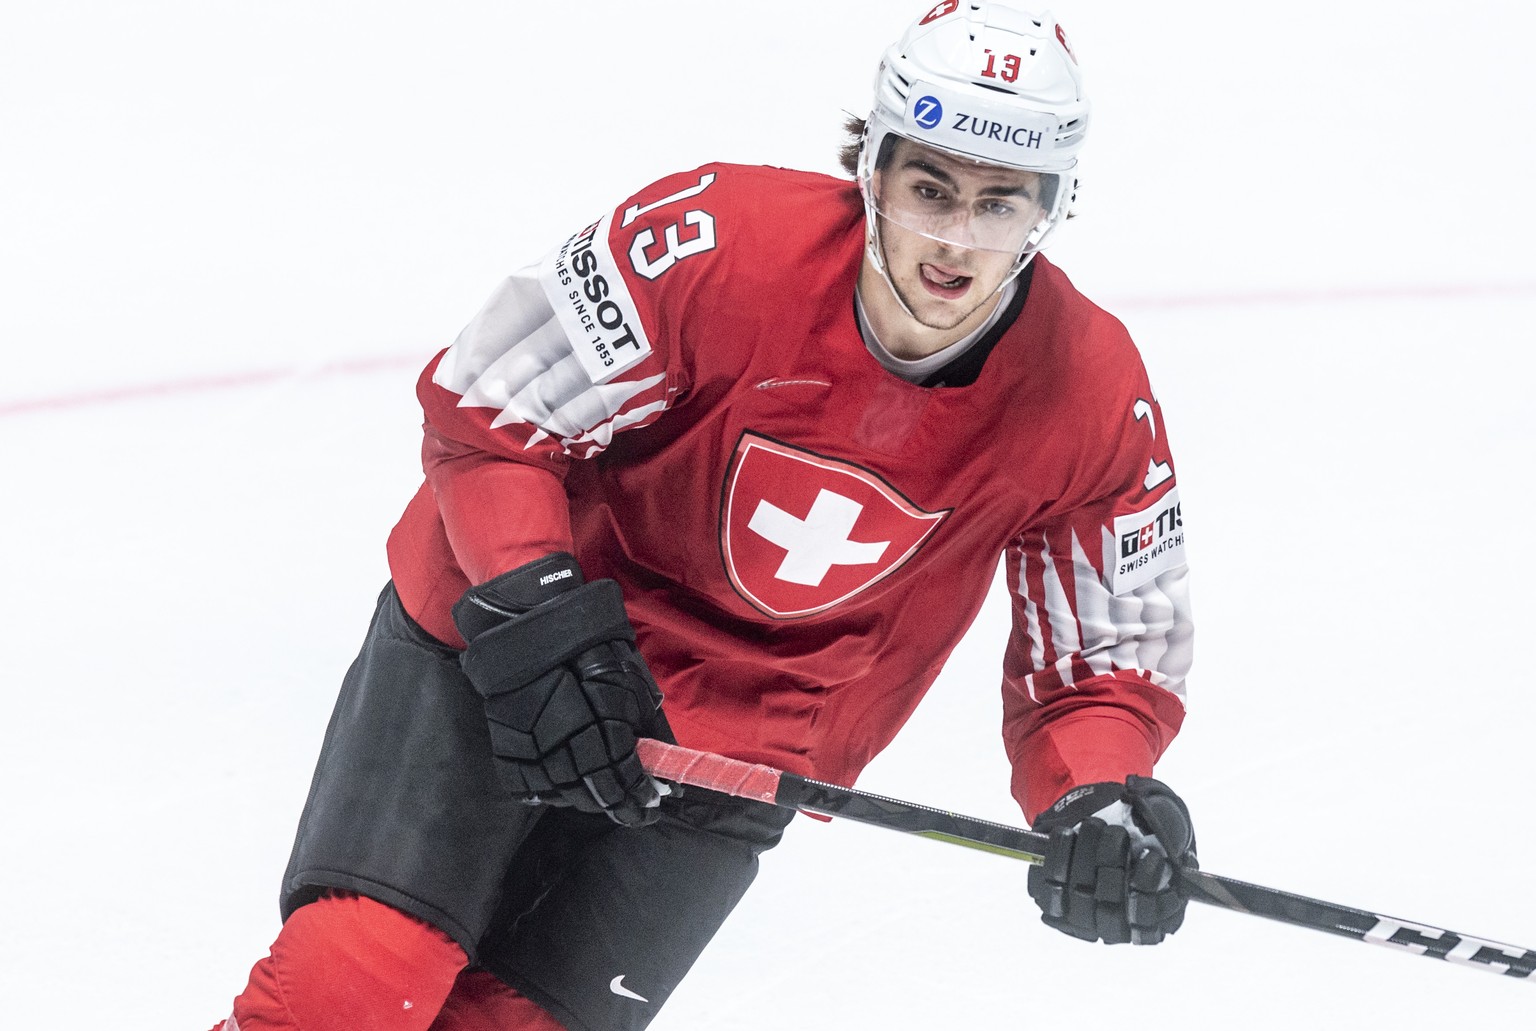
(853, 139)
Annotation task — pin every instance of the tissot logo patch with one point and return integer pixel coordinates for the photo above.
(1144, 544)
(594, 306)
(801, 532)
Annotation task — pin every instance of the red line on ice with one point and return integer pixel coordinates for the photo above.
(205, 384)
(257, 377)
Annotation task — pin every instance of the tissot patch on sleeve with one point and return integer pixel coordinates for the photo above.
(1143, 544)
(594, 305)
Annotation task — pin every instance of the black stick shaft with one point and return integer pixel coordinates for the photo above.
(765, 784)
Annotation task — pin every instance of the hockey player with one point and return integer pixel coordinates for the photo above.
(733, 466)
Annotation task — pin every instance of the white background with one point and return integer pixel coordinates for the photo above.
(230, 234)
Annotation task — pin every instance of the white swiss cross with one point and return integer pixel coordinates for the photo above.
(823, 539)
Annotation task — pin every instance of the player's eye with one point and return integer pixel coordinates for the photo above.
(998, 209)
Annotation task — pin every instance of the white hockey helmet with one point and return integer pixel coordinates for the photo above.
(991, 84)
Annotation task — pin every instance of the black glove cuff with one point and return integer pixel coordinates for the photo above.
(500, 660)
(1077, 805)
(511, 594)
(1157, 811)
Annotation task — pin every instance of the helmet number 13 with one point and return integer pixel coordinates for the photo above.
(643, 253)
(1011, 65)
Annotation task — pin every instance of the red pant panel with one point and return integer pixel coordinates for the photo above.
(348, 963)
(479, 1002)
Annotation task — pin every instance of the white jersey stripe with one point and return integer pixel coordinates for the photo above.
(1157, 619)
(1146, 630)
(1092, 611)
(1175, 638)
(1058, 608)
(516, 311)
(1125, 611)
(1031, 626)
(515, 357)
(602, 435)
(535, 401)
(587, 415)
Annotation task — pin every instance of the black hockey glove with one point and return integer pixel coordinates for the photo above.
(1109, 868)
(566, 693)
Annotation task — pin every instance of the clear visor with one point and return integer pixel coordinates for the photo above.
(959, 200)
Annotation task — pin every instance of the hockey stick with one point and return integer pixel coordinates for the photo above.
(790, 791)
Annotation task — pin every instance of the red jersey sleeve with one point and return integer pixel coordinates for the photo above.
(564, 355)
(1093, 683)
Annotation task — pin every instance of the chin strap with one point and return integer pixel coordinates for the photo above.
(874, 253)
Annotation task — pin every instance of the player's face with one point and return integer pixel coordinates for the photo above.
(950, 230)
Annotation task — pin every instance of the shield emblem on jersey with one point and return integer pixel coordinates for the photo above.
(801, 532)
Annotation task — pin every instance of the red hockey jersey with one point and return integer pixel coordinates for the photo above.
(681, 397)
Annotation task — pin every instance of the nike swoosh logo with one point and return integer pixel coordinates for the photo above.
(616, 986)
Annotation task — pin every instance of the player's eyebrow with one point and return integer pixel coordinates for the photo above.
(928, 167)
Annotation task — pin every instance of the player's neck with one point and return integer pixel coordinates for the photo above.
(899, 331)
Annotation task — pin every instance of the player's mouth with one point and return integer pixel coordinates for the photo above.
(943, 281)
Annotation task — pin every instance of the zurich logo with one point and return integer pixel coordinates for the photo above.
(928, 112)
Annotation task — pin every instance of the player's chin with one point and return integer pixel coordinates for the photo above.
(942, 316)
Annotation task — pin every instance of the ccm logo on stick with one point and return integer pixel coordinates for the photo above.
(1448, 945)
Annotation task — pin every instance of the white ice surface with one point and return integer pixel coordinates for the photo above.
(230, 234)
